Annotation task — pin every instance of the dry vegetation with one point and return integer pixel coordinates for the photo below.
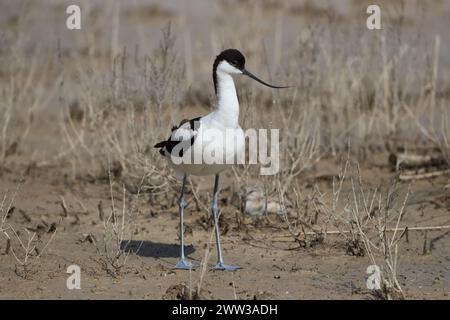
(357, 97)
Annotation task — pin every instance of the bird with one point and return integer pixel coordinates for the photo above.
(192, 138)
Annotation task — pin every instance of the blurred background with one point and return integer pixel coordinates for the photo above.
(272, 34)
(382, 88)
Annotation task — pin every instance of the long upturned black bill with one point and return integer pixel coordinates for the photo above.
(247, 73)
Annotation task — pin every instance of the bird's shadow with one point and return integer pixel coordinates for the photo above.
(154, 249)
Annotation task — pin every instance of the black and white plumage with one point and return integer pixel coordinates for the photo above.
(184, 134)
(192, 139)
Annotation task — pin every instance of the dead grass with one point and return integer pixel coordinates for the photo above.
(120, 227)
(25, 245)
(383, 95)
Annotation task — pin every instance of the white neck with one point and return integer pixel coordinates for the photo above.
(227, 107)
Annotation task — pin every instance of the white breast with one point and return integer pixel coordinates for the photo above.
(215, 149)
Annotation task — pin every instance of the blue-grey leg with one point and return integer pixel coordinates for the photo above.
(220, 265)
(183, 263)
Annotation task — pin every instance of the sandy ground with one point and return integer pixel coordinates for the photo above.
(271, 269)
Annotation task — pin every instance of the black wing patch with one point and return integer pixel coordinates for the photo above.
(169, 144)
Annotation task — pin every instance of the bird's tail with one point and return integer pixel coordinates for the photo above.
(161, 144)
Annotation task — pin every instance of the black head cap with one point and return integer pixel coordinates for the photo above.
(233, 57)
